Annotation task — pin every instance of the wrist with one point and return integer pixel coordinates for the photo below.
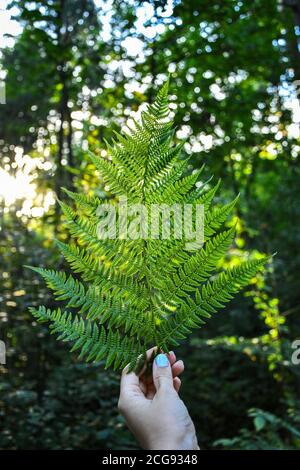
(185, 443)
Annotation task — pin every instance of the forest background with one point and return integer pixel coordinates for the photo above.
(71, 73)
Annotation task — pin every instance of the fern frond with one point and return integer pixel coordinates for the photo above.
(134, 292)
(100, 302)
(198, 267)
(117, 182)
(89, 204)
(211, 297)
(94, 342)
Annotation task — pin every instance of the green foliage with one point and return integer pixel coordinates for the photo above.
(136, 293)
(269, 433)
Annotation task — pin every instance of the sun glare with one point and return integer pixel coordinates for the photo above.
(21, 186)
(16, 187)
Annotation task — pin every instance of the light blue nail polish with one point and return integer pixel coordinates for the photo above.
(161, 360)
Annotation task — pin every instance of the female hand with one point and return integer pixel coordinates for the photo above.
(152, 408)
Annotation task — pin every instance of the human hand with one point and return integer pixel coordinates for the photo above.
(152, 408)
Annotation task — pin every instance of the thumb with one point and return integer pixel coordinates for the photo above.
(162, 373)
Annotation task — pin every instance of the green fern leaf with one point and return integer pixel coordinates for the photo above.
(131, 290)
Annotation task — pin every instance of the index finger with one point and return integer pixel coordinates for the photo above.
(132, 378)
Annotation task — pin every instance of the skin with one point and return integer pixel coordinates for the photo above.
(153, 410)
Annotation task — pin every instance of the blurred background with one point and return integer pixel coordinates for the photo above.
(71, 72)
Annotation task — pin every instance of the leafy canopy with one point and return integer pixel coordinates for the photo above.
(132, 294)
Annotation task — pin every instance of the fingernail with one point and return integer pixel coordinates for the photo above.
(162, 360)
